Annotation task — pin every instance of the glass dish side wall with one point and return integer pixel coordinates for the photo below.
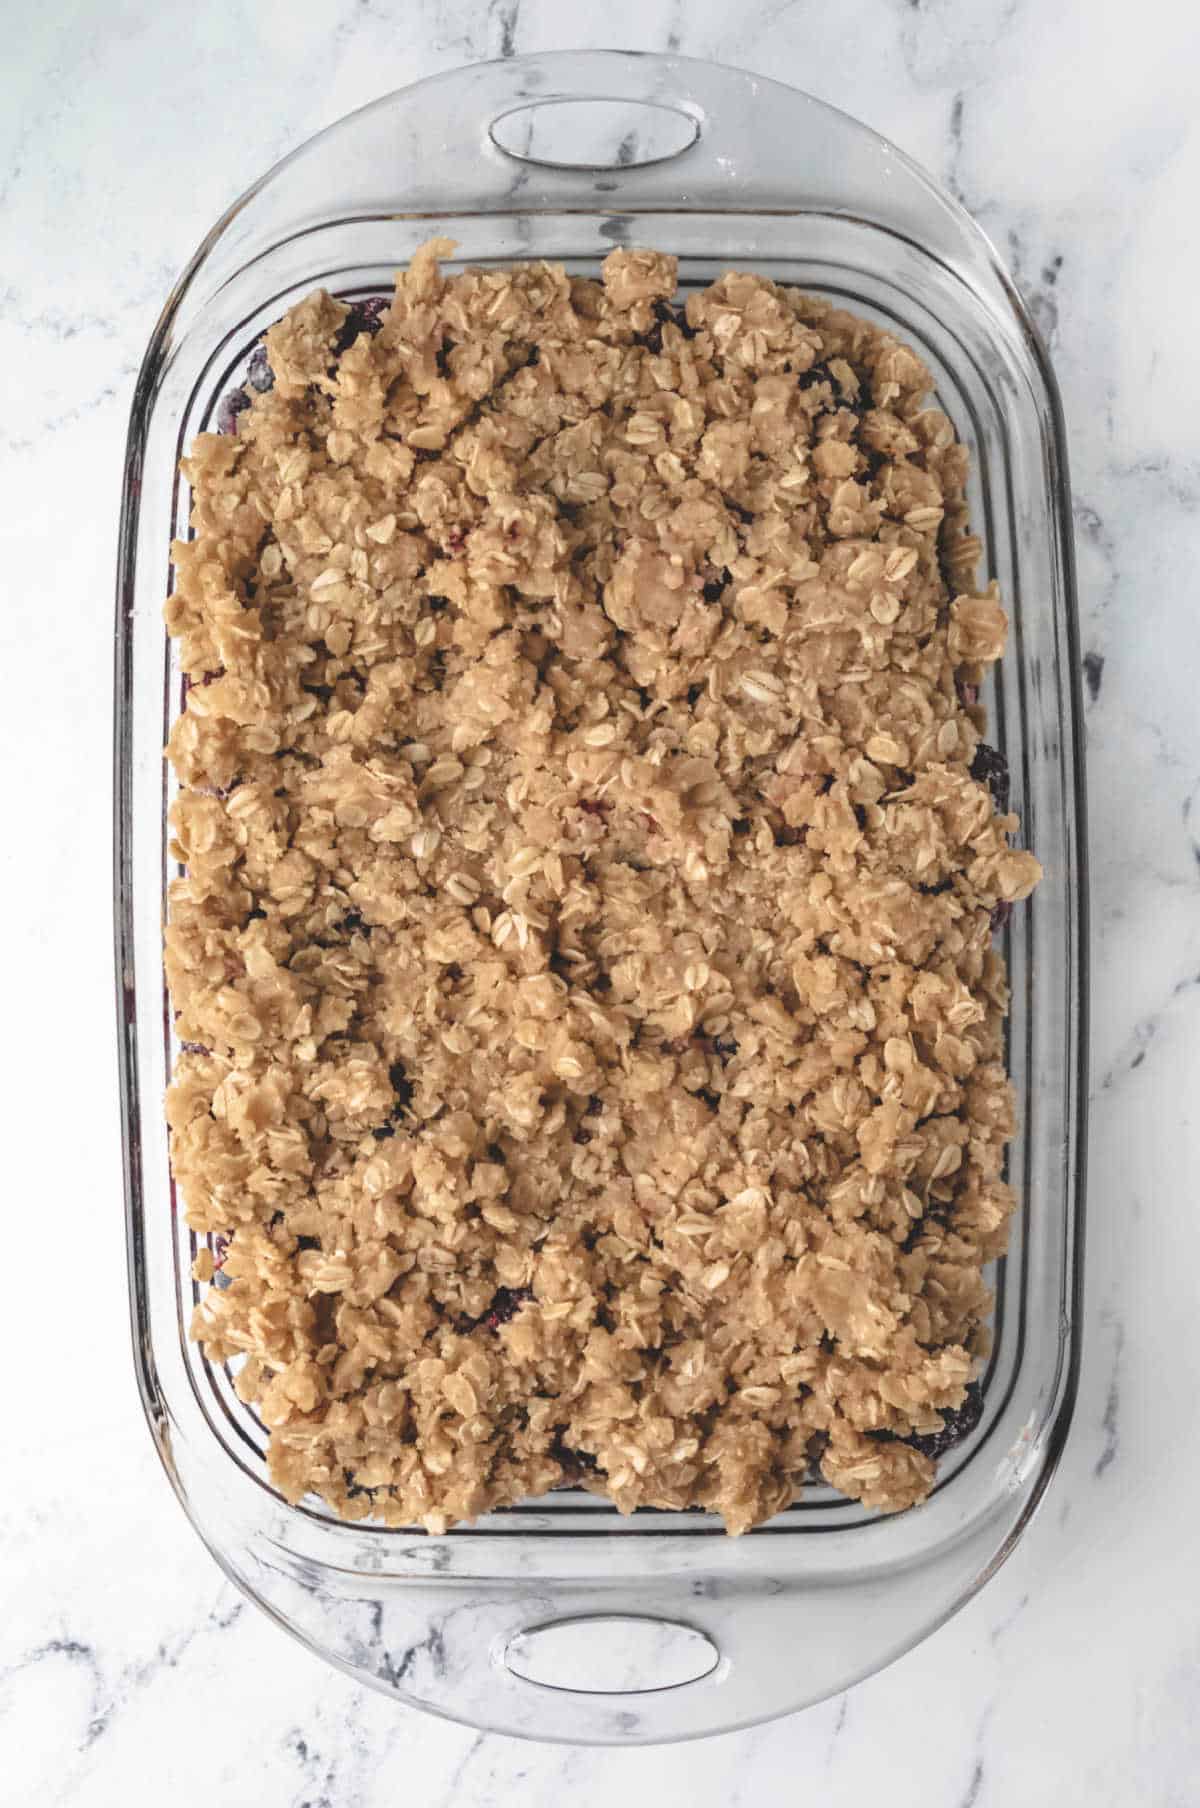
(361, 1595)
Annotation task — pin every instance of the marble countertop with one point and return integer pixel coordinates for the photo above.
(129, 1669)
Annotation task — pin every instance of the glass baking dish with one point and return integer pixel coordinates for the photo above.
(772, 180)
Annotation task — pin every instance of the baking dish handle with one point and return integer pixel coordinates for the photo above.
(628, 129)
(596, 1664)
(681, 134)
(620, 1660)
(615, 131)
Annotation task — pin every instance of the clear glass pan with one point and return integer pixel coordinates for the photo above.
(774, 181)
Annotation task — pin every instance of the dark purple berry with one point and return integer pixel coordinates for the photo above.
(815, 1450)
(574, 1462)
(207, 679)
(873, 460)
(664, 315)
(220, 1250)
(816, 373)
(355, 1490)
(956, 1425)
(364, 317)
(233, 403)
(259, 374)
(401, 1085)
(990, 768)
(1000, 915)
(506, 1303)
(559, 965)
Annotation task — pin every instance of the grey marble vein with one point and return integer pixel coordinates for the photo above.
(1110, 1423)
(502, 20)
(1093, 675)
(1004, 1626)
(974, 1790)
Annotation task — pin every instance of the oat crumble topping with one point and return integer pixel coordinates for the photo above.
(592, 1059)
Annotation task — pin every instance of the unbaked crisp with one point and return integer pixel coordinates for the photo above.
(592, 1032)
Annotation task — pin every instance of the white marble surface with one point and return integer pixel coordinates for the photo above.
(129, 1671)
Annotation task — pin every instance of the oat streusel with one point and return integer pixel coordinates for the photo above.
(592, 1030)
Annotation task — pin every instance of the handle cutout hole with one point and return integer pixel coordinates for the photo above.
(612, 1654)
(594, 134)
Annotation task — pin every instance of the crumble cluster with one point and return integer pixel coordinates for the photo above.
(592, 1034)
